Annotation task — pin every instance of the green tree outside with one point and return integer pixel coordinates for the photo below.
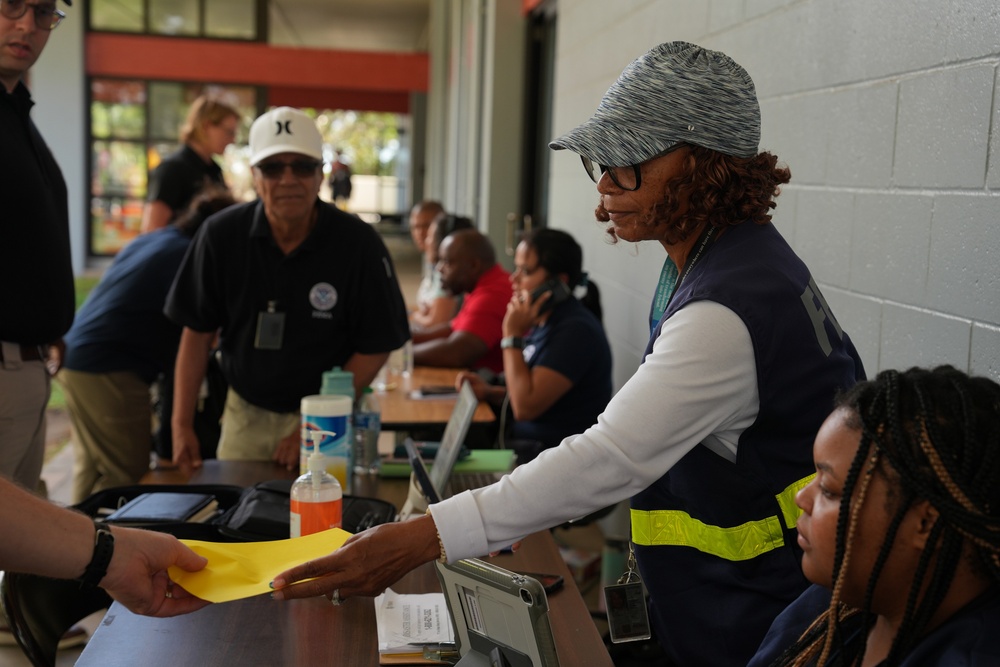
(369, 141)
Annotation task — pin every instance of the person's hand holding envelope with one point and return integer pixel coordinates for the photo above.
(243, 569)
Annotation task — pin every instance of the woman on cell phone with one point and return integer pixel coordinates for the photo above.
(556, 357)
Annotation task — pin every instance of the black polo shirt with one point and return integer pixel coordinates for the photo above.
(37, 298)
(180, 177)
(338, 291)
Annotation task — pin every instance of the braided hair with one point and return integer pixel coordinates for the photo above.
(935, 436)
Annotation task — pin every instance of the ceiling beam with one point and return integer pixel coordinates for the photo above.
(252, 63)
(355, 100)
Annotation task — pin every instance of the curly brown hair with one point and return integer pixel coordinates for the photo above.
(721, 190)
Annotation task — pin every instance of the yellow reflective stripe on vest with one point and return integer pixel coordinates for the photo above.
(677, 528)
(786, 500)
(743, 542)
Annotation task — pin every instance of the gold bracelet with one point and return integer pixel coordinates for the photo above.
(443, 558)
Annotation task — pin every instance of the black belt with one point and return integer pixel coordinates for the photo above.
(31, 352)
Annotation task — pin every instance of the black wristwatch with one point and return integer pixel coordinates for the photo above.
(512, 342)
(104, 548)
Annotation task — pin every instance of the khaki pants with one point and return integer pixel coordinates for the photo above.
(250, 433)
(111, 418)
(24, 395)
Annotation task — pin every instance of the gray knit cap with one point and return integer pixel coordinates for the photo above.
(676, 92)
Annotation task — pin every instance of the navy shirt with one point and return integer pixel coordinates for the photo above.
(338, 291)
(121, 326)
(968, 638)
(572, 343)
(37, 299)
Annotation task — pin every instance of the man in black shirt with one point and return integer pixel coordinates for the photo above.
(294, 286)
(37, 300)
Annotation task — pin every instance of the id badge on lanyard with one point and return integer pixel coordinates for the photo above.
(270, 328)
(625, 601)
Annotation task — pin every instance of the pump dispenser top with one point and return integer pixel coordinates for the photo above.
(317, 466)
(310, 437)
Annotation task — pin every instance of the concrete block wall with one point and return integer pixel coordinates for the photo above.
(888, 115)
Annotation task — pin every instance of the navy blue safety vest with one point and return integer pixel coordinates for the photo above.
(715, 540)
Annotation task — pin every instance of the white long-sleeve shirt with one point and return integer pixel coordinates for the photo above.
(699, 384)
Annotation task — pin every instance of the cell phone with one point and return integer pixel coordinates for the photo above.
(437, 389)
(560, 292)
(550, 582)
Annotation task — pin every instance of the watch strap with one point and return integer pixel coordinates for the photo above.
(104, 548)
(512, 342)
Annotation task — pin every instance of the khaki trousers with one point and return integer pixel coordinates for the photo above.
(24, 395)
(111, 418)
(250, 433)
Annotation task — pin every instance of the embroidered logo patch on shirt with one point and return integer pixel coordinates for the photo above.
(323, 296)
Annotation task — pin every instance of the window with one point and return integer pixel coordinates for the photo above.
(218, 19)
(230, 19)
(133, 126)
(117, 15)
(118, 163)
(174, 17)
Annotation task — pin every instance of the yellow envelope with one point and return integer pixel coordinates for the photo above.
(243, 569)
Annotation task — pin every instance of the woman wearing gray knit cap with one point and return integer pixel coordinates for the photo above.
(711, 438)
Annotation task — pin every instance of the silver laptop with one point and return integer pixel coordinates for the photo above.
(454, 437)
(447, 453)
(501, 618)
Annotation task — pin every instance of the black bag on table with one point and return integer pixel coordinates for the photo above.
(254, 514)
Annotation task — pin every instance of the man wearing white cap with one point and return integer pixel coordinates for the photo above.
(294, 287)
(712, 436)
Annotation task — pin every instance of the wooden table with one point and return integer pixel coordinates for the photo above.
(260, 631)
(401, 413)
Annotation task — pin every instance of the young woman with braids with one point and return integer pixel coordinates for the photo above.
(901, 529)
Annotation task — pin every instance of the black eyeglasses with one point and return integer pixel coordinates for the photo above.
(46, 17)
(628, 177)
(300, 168)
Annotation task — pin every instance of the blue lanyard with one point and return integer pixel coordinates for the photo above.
(670, 279)
(664, 290)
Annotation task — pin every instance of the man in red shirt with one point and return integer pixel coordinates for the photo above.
(468, 265)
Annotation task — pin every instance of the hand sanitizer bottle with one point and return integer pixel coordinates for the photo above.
(316, 500)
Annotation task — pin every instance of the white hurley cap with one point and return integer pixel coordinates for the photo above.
(284, 130)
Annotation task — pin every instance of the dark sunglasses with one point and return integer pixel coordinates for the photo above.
(300, 168)
(628, 177)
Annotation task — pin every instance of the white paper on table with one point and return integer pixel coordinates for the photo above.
(407, 622)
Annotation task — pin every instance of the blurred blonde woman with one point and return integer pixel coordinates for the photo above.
(210, 126)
